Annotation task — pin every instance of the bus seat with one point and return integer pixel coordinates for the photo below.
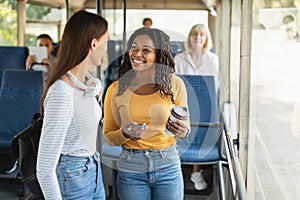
(55, 50)
(115, 55)
(109, 157)
(203, 107)
(12, 57)
(177, 47)
(114, 50)
(203, 146)
(19, 99)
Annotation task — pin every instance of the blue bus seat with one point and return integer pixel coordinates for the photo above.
(204, 144)
(177, 47)
(109, 157)
(203, 107)
(12, 57)
(20, 94)
(115, 55)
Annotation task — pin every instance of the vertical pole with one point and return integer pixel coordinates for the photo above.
(245, 75)
(21, 22)
(115, 16)
(67, 10)
(124, 24)
(99, 8)
(212, 27)
(225, 50)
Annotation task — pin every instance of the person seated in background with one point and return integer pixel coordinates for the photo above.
(46, 41)
(198, 59)
(147, 22)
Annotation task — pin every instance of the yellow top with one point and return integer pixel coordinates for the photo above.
(152, 109)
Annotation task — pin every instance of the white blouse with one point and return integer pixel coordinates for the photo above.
(210, 65)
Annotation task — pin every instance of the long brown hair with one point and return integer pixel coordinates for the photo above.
(164, 62)
(78, 34)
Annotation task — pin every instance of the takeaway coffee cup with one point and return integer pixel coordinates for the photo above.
(179, 113)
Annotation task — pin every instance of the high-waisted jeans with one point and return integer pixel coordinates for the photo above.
(80, 178)
(150, 175)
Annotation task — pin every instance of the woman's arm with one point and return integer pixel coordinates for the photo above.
(111, 130)
(57, 118)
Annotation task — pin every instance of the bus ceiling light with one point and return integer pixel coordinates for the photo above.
(213, 11)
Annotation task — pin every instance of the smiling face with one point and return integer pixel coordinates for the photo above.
(198, 39)
(142, 53)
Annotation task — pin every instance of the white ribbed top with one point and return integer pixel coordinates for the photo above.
(71, 119)
(210, 65)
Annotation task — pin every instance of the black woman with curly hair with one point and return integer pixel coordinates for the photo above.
(137, 108)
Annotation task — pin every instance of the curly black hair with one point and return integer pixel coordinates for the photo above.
(164, 62)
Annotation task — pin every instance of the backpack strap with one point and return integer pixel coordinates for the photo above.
(15, 143)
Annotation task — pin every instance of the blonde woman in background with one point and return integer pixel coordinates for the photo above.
(198, 59)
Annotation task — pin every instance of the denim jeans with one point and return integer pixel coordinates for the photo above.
(150, 175)
(80, 178)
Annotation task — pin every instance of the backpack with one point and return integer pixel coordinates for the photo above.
(25, 148)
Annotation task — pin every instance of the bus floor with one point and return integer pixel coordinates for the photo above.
(10, 189)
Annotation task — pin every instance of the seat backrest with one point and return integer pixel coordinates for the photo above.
(115, 52)
(12, 57)
(177, 47)
(115, 55)
(203, 107)
(202, 98)
(20, 94)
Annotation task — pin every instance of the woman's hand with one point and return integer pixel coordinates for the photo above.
(178, 127)
(29, 60)
(134, 131)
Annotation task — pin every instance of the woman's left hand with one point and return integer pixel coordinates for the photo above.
(178, 127)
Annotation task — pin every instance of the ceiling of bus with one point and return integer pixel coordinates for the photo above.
(130, 4)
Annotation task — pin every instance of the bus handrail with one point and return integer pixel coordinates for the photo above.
(233, 162)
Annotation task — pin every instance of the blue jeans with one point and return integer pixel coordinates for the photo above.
(80, 178)
(150, 175)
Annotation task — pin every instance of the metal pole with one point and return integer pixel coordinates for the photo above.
(124, 22)
(67, 10)
(115, 16)
(99, 7)
(233, 162)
